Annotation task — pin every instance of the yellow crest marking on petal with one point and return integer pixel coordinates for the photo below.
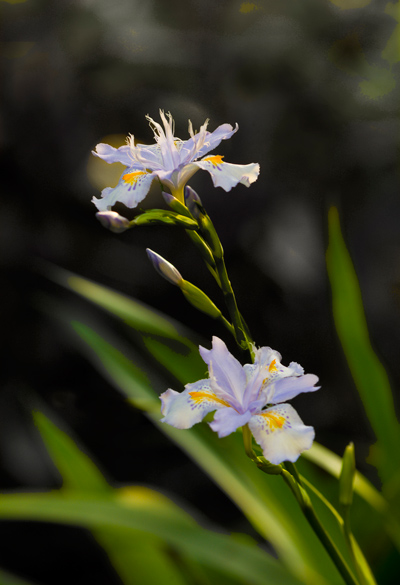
(214, 160)
(272, 366)
(275, 421)
(200, 396)
(133, 177)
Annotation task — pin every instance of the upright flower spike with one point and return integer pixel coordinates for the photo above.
(172, 161)
(252, 394)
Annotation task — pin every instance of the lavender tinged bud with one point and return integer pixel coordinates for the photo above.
(193, 202)
(113, 221)
(175, 204)
(168, 198)
(164, 268)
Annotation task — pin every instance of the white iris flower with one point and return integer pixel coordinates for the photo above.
(252, 394)
(171, 160)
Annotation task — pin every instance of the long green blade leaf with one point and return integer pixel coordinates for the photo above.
(76, 468)
(133, 554)
(369, 375)
(144, 510)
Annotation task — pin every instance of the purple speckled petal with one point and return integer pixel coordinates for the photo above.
(184, 409)
(132, 188)
(281, 434)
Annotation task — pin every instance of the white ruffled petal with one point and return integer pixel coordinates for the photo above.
(184, 409)
(281, 434)
(289, 387)
(112, 155)
(227, 175)
(203, 142)
(132, 188)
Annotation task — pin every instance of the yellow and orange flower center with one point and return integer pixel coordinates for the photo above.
(133, 177)
(215, 160)
(199, 396)
(275, 421)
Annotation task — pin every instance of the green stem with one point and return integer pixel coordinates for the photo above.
(208, 243)
(230, 301)
(247, 441)
(226, 324)
(305, 503)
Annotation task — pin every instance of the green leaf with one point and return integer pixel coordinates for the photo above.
(185, 364)
(77, 470)
(115, 366)
(369, 375)
(132, 312)
(138, 557)
(129, 551)
(138, 508)
(330, 462)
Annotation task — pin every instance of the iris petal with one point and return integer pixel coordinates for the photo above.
(227, 420)
(227, 175)
(228, 378)
(184, 409)
(112, 155)
(281, 434)
(132, 188)
(287, 388)
(203, 142)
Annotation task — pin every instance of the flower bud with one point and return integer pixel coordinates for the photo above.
(347, 474)
(113, 221)
(161, 216)
(175, 204)
(164, 268)
(211, 236)
(199, 299)
(193, 202)
(197, 210)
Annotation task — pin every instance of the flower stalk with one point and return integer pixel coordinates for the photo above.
(213, 244)
(294, 483)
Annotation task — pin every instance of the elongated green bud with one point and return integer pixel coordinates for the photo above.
(199, 299)
(160, 216)
(194, 295)
(197, 210)
(165, 268)
(347, 474)
(202, 247)
(113, 221)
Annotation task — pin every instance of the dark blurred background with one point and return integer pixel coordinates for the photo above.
(314, 88)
